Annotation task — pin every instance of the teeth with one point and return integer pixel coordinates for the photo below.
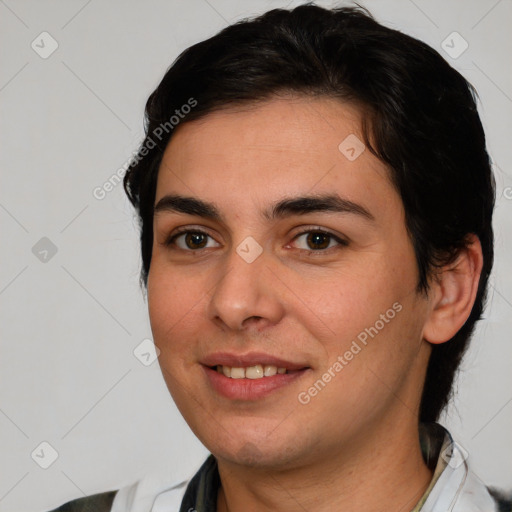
(270, 370)
(257, 371)
(237, 373)
(254, 372)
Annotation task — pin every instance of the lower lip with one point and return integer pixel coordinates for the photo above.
(249, 389)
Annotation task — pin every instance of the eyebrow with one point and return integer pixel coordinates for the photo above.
(287, 207)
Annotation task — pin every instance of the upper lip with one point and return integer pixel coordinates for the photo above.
(249, 359)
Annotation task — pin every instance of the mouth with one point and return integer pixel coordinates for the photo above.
(250, 377)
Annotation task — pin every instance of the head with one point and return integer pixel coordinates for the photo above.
(262, 108)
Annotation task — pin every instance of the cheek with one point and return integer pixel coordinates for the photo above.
(173, 304)
(343, 304)
(370, 319)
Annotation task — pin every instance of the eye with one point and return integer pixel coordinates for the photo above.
(319, 240)
(191, 240)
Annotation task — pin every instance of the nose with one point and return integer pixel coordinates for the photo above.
(245, 294)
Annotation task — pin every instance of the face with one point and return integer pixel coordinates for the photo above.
(276, 248)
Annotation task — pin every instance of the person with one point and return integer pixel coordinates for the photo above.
(315, 201)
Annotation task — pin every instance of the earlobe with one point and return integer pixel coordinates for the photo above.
(453, 293)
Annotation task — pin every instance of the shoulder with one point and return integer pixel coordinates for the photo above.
(101, 502)
(140, 496)
(502, 498)
(155, 491)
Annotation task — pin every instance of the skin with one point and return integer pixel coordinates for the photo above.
(355, 444)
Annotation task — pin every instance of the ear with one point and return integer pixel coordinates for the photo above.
(452, 293)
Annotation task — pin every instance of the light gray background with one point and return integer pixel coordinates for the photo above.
(69, 325)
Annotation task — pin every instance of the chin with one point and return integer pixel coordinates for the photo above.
(251, 455)
(258, 451)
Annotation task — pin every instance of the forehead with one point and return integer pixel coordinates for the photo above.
(288, 146)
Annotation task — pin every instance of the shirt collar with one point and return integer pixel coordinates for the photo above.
(435, 442)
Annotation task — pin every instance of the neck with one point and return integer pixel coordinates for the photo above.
(382, 469)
